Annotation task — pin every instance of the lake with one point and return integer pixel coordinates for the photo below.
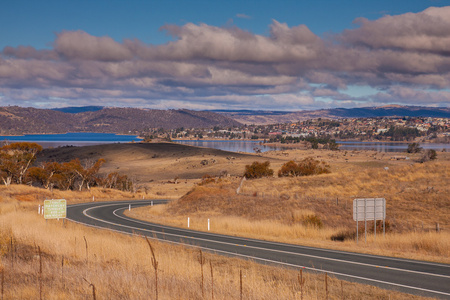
(387, 146)
(250, 146)
(72, 139)
(88, 138)
(233, 146)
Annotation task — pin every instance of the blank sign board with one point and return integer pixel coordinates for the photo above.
(367, 209)
(55, 209)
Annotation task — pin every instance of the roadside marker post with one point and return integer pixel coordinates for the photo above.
(129, 207)
(208, 225)
(188, 222)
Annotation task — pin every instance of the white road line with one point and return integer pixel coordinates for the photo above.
(274, 243)
(255, 258)
(252, 247)
(294, 253)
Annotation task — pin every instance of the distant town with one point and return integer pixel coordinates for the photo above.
(363, 129)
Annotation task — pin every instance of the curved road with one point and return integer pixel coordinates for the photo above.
(410, 276)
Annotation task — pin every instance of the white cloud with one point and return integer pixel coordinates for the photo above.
(406, 55)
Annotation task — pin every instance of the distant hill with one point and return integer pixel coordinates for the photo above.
(21, 120)
(272, 117)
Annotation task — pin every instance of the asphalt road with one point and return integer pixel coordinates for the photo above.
(410, 276)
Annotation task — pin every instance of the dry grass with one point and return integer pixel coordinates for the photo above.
(120, 267)
(286, 209)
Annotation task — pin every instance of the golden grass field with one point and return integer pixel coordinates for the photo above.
(286, 209)
(56, 260)
(283, 209)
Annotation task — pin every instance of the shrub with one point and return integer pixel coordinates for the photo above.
(343, 236)
(207, 179)
(258, 170)
(414, 148)
(313, 221)
(429, 155)
(306, 167)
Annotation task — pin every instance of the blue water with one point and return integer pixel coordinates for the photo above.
(251, 146)
(87, 138)
(233, 146)
(387, 146)
(72, 138)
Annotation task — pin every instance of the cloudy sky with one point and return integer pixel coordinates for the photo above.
(261, 55)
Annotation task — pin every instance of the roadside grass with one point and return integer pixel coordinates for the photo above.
(291, 209)
(76, 259)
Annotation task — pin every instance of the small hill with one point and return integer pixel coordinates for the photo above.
(147, 162)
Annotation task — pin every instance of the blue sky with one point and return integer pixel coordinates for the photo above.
(284, 55)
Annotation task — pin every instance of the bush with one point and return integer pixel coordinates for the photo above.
(343, 236)
(207, 179)
(258, 170)
(414, 148)
(429, 155)
(306, 167)
(313, 221)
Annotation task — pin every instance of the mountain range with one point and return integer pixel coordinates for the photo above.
(273, 117)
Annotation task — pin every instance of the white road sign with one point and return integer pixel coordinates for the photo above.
(367, 209)
(55, 209)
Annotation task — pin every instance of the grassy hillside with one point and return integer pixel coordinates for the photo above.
(314, 210)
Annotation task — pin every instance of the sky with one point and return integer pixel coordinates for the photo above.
(206, 55)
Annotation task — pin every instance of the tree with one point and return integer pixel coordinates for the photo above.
(87, 174)
(44, 174)
(414, 148)
(288, 169)
(332, 145)
(258, 170)
(430, 154)
(116, 181)
(306, 167)
(16, 159)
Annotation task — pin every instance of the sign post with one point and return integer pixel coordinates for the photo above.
(367, 209)
(55, 209)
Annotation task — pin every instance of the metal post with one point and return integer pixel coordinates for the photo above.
(357, 229)
(375, 217)
(365, 221)
(384, 218)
